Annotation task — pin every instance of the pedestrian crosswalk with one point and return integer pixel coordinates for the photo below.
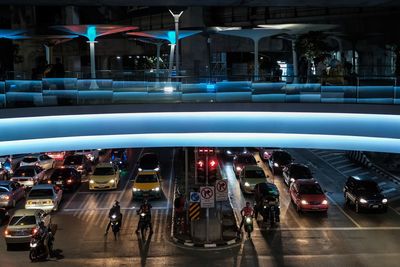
(340, 161)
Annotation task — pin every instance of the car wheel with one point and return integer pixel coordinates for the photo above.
(357, 207)
(13, 204)
(8, 247)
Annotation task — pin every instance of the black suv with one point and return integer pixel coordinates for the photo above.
(364, 193)
(279, 160)
(296, 171)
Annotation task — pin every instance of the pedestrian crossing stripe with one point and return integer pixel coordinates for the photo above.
(194, 211)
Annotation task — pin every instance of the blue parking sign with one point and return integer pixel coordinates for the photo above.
(194, 197)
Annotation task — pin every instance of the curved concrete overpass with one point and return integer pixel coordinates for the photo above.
(326, 126)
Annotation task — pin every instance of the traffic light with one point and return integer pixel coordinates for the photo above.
(212, 170)
(206, 151)
(201, 171)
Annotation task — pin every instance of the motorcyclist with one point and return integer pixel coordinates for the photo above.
(43, 234)
(268, 203)
(116, 209)
(245, 212)
(145, 208)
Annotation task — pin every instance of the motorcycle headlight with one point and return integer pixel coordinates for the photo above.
(157, 169)
(91, 181)
(156, 189)
(238, 169)
(33, 245)
(384, 201)
(228, 152)
(120, 162)
(248, 220)
(246, 184)
(363, 201)
(325, 202)
(292, 180)
(135, 189)
(304, 202)
(113, 216)
(142, 214)
(276, 164)
(112, 181)
(265, 207)
(140, 169)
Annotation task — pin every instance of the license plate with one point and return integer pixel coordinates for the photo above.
(58, 182)
(375, 206)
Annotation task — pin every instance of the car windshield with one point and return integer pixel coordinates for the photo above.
(41, 193)
(22, 220)
(59, 172)
(368, 187)
(310, 189)
(30, 160)
(73, 160)
(246, 160)
(147, 178)
(104, 171)
(300, 172)
(3, 190)
(282, 157)
(148, 162)
(24, 173)
(256, 174)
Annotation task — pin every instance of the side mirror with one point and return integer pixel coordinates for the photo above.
(258, 161)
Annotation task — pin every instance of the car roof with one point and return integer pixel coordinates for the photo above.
(105, 165)
(26, 212)
(252, 167)
(306, 181)
(42, 186)
(362, 178)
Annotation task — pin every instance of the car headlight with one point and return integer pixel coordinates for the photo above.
(91, 181)
(135, 189)
(113, 216)
(238, 168)
(384, 201)
(363, 201)
(246, 184)
(6, 197)
(157, 169)
(120, 162)
(325, 202)
(276, 164)
(140, 169)
(33, 245)
(228, 152)
(112, 181)
(265, 207)
(156, 189)
(304, 202)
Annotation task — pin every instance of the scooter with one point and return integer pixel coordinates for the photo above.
(248, 225)
(115, 224)
(37, 248)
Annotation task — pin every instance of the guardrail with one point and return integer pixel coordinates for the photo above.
(72, 91)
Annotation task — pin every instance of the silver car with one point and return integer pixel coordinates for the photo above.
(41, 160)
(46, 197)
(10, 193)
(23, 224)
(28, 176)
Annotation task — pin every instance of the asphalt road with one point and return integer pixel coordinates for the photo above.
(343, 238)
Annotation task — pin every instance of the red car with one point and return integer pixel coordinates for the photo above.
(307, 195)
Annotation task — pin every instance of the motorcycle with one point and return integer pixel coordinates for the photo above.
(144, 223)
(115, 224)
(38, 250)
(248, 225)
(269, 210)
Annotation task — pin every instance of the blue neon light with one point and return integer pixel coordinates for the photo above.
(171, 37)
(91, 33)
(369, 132)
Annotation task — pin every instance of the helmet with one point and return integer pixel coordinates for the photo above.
(116, 202)
(247, 203)
(41, 224)
(145, 201)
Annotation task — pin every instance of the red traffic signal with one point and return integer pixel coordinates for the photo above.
(206, 150)
(212, 163)
(200, 164)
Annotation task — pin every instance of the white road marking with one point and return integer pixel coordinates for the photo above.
(364, 173)
(344, 213)
(105, 209)
(353, 170)
(345, 166)
(381, 183)
(389, 190)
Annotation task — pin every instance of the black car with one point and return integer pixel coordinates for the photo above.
(279, 160)
(149, 162)
(67, 178)
(265, 191)
(3, 215)
(231, 152)
(242, 160)
(296, 171)
(80, 162)
(364, 193)
(119, 157)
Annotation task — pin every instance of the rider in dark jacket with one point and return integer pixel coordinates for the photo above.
(145, 208)
(116, 209)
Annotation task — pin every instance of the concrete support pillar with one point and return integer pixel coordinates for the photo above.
(92, 60)
(171, 60)
(158, 60)
(295, 65)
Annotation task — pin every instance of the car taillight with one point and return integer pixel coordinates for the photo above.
(6, 232)
(49, 181)
(34, 231)
(69, 181)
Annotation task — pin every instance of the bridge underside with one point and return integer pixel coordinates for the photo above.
(32, 131)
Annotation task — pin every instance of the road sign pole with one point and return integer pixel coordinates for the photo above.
(195, 165)
(207, 212)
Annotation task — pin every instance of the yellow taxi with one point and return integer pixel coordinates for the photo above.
(105, 176)
(147, 184)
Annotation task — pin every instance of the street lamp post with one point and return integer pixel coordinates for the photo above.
(176, 20)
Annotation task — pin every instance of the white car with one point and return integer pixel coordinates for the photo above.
(105, 176)
(46, 197)
(41, 160)
(250, 176)
(28, 176)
